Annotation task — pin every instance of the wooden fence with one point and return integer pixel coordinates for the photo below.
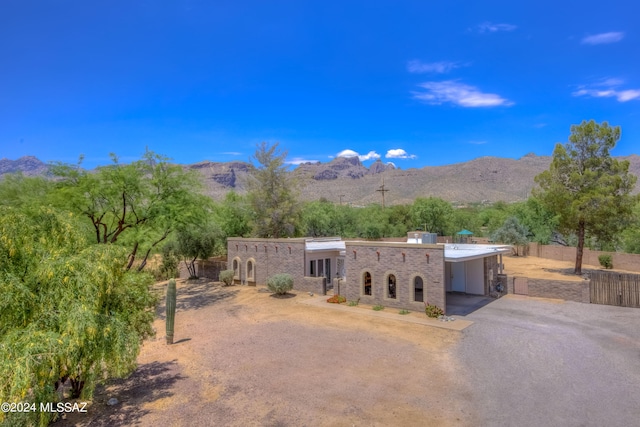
(615, 289)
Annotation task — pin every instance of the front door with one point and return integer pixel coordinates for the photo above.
(458, 277)
(327, 272)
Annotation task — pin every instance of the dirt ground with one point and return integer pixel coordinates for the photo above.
(245, 358)
(242, 357)
(542, 268)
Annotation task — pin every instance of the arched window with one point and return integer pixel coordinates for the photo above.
(391, 286)
(236, 268)
(418, 289)
(366, 283)
(250, 270)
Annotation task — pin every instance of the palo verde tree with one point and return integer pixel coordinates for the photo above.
(68, 310)
(271, 194)
(136, 205)
(587, 188)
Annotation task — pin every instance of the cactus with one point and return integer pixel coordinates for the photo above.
(171, 309)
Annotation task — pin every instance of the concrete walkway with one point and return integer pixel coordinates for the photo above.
(365, 310)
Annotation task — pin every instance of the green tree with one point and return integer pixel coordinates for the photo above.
(271, 193)
(587, 188)
(540, 222)
(512, 232)
(631, 235)
(433, 213)
(68, 310)
(21, 191)
(319, 219)
(233, 215)
(136, 205)
(198, 242)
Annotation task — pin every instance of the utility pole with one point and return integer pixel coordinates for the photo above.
(382, 190)
(341, 196)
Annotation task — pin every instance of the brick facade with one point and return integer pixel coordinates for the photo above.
(577, 291)
(265, 257)
(405, 261)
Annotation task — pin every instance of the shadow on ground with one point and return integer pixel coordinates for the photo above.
(149, 383)
(459, 304)
(194, 295)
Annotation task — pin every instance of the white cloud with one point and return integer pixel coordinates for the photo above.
(458, 93)
(347, 153)
(392, 164)
(477, 142)
(608, 88)
(604, 38)
(370, 155)
(299, 161)
(398, 153)
(231, 153)
(489, 27)
(416, 66)
(363, 157)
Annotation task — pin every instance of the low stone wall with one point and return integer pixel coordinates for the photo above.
(310, 284)
(558, 289)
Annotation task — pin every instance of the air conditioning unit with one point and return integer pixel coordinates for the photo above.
(429, 238)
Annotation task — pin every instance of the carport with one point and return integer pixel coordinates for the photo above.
(465, 267)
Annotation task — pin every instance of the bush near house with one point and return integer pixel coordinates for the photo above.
(226, 277)
(280, 284)
(337, 299)
(606, 261)
(433, 311)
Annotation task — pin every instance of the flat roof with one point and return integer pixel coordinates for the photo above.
(328, 244)
(458, 252)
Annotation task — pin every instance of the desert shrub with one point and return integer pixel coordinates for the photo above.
(226, 277)
(353, 303)
(606, 261)
(280, 284)
(404, 312)
(433, 311)
(378, 307)
(169, 267)
(337, 299)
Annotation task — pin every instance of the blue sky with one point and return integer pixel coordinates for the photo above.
(412, 82)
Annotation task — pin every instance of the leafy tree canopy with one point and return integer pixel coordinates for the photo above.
(68, 310)
(271, 193)
(433, 213)
(137, 204)
(587, 188)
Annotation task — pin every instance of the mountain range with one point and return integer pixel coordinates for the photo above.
(347, 180)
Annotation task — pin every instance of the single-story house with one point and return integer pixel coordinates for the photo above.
(394, 274)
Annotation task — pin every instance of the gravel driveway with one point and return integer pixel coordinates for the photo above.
(534, 362)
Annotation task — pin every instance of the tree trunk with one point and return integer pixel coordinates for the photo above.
(132, 256)
(76, 388)
(580, 248)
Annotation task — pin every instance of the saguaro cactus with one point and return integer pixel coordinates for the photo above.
(171, 309)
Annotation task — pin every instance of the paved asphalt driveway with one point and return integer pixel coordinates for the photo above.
(534, 362)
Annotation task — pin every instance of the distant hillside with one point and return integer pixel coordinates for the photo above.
(28, 165)
(486, 179)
